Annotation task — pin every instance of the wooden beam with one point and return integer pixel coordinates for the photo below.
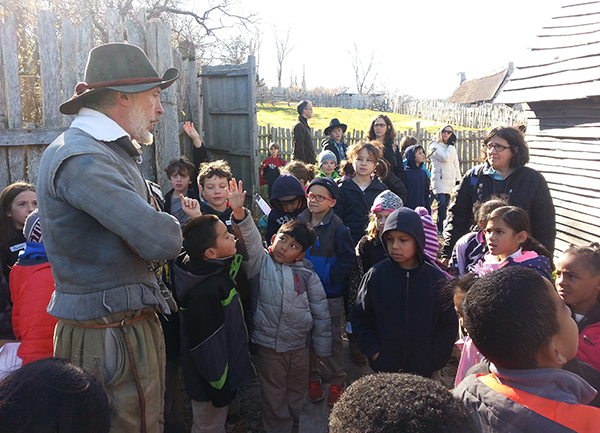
(25, 137)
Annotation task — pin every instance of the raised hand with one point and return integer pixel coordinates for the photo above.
(189, 129)
(236, 198)
(190, 206)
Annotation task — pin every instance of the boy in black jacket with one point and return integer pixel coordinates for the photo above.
(214, 342)
(401, 320)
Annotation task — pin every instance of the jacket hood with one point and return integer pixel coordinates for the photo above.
(286, 185)
(410, 156)
(408, 221)
(34, 251)
(188, 272)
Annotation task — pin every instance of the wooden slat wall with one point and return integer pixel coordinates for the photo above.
(62, 66)
(569, 158)
(564, 63)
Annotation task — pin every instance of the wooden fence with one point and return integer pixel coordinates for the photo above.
(468, 143)
(482, 117)
(61, 64)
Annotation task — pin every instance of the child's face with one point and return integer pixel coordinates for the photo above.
(20, 208)
(381, 217)
(290, 205)
(214, 191)
(567, 339)
(274, 152)
(502, 241)
(459, 297)
(180, 182)
(225, 245)
(286, 249)
(328, 167)
(316, 193)
(364, 164)
(337, 134)
(419, 156)
(576, 283)
(402, 248)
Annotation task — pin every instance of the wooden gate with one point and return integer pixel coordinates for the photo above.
(230, 129)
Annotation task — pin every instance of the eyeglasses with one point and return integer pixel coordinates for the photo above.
(445, 131)
(380, 125)
(317, 197)
(497, 147)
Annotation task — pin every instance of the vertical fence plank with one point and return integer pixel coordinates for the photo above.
(49, 69)
(136, 33)
(193, 92)
(68, 38)
(34, 155)
(4, 168)
(16, 163)
(85, 43)
(114, 26)
(160, 52)
(3, 120)
(12, 82)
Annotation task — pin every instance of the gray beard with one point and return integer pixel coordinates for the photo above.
(138, 124)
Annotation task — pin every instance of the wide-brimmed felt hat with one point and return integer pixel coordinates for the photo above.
(335, 124)
(117, 66)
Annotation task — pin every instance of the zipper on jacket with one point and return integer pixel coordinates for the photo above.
(406, 314)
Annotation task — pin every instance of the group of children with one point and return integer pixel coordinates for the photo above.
(352, 239)
(347, 246)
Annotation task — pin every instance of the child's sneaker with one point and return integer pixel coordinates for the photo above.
(335, 392)
(315, 392)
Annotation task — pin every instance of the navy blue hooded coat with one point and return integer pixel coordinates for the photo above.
(403, 314)
(417, 182)
(285, 185)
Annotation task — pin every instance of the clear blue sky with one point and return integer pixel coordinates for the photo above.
(420, 45)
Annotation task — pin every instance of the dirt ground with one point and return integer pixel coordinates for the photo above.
(315, 415)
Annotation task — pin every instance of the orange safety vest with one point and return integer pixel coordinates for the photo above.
(578, 417)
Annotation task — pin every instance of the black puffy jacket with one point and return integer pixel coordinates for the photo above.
(524, 187)
(354, 205)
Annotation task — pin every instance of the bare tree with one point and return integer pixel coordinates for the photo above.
(284, 47)
(363, 71)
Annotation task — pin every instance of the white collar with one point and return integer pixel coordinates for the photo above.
(99, 126)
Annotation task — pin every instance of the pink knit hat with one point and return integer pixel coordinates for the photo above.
(432, 244)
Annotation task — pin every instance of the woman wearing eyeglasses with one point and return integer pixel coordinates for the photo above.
(445, 172)
(382, 130)
(505, 154)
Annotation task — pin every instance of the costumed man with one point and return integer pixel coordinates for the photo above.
(102, 235)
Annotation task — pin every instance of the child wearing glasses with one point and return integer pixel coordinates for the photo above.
(332, 257)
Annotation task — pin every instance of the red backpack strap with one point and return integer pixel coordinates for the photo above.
(577, 417)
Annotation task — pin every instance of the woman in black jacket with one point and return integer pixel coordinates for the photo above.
(503, 173)
(382, 130)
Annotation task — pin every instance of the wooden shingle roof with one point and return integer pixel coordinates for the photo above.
(564, 62)
(478, 90)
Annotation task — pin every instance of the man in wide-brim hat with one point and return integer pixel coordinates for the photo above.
(101, 234)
